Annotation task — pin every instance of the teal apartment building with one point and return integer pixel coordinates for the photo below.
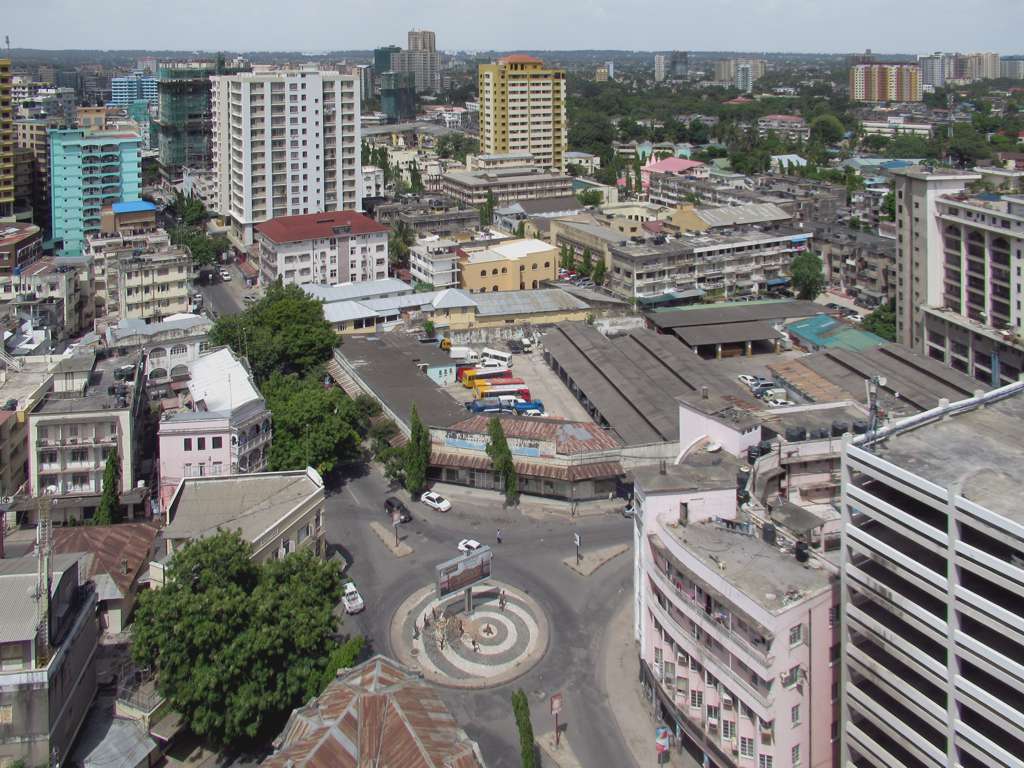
(90, 170)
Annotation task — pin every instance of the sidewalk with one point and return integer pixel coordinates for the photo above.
(460, 495)
(633, 714)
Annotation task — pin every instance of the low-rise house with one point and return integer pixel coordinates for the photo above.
(47, 668)
(152, 285)
(435, 261)
(167, 347)
(223, 426)
(276, 512)
(116, 560)
(509, 217)
(331, 247)
(510, 265)
(429, 215)
(587, 163)
(378, 713)
(679, 166)
(504, 185)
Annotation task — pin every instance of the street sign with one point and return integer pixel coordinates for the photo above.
(556, 703)
(576, 539)
(662, 739)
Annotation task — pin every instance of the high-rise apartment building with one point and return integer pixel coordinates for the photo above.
(957, 289)
(878, 82)
(601, 75)
(6, 143)
(679, 64)
(421, 58)
(382, 61)
(659, 67)
(138, 85)
(932, 591)
(90, 170)
(522, 109)
(982, 66)
(398, 95)
(285, 142)
(1012, 68)
(611, 69)
(935, 68)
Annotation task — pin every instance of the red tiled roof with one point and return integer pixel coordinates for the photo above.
(112, 547)
(570, 437)
(310, 226)
(520, 58)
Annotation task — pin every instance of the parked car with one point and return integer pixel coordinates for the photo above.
(856, 318)
(468, 545)
(833, 305)
(761, 387)
(225, 276)
(393, 505)
(777, 402)
(760, 381)
(747, 379)
(249, 299)
(351, 599)
(436, 501)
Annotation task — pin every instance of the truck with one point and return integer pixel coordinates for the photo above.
(529, 405)
(466, 354)
(486, 405)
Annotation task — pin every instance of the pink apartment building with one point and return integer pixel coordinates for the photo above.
(222, 428)
(734, 611)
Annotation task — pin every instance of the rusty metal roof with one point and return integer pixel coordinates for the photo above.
(525, 468)
(378, 714)
(121, 551)
(570, 437)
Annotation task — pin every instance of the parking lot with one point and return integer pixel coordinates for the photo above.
(542, 383)
(757, 365)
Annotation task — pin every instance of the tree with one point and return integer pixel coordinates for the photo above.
(588, 262)
(882, 322)
(415, 179)
(400, 242)
(344, 656)
(487, 210)
(428, 328)
(314, 426)
(109, 510)
(565, 258)
(827, 129)
(590, 197)
(417, 454)
(599, 273)
(521, 229)
(889, 206)
(283, 333)
(501, 459)
(527, 745)
(205, 250)
(236, 645)
(875, 142)
(807, 274)
(189, 209)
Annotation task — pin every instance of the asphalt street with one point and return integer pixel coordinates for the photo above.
(224, 298)
(530, 558)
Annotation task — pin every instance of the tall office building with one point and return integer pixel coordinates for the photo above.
(878, 82)
(90, 170)
(285, 142)
(421, 58)
(935, 67)
(398, 96)
(522, 109)
(138, 85)
(1012, 68)
(31, 135)
(6, 143)
(932, 597)
(611, 69)
(679, 65)
(659, 67)
(382, 62)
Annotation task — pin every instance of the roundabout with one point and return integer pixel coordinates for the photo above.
(502, 635)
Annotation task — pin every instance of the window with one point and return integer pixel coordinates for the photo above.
(217, 469)
(764, 761)
(6, 714)
(796, 635)
(179, 349)
(728, 730)
(792, 677)
(216, 442)
(746, 747)
(794, 714)
(188, 470)
(188, 444)
(696, 699)
(794, 754)
(713, 713)
(200, 443)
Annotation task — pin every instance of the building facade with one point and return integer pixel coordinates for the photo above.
(338, 247)
(786, 127)
(32, 135)
(285, 143)
(138, 85)
(660, 66)
(153, 285)
(90, 170)
(522, 109)
(505, 185)
(398, 95)
(509, 265)
(435, 261)
(932, 580)
(885, 82)
(419, 58)
(183, 116)
(6, 143)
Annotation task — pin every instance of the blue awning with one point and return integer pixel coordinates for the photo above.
(775, 282)
(799, 238)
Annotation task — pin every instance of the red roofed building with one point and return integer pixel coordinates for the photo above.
(680, 166)
(377, 714)
(331, 247)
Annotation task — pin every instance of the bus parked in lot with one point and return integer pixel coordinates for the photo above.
(518, 390)
(471, 375)
(482, 384)
(496, 355)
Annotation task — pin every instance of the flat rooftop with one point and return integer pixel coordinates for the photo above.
(978, 448)
(699, 471)
(249, 503)
(387, 363)
(19, 384)
(97, 395)
(772, 578)
(734, 312)
(726, 333)
(810, 417)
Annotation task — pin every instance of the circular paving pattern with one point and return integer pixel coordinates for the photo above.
(504, 635)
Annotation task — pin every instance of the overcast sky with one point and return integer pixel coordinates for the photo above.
(889, 26)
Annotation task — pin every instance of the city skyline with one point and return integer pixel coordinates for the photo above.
(826, 27)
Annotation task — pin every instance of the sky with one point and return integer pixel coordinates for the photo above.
(828, 26)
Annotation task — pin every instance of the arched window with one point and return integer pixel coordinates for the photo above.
(494, 271)
(483, 273)
(158, 373)
(157, 352)
(179, 349)
(494, 288)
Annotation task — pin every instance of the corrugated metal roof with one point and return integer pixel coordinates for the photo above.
(733, 215)
(127, 544)
(728, 333)
(376, 714)
(527, 302)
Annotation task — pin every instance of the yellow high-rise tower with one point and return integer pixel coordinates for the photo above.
(522, 109)
(6, 143)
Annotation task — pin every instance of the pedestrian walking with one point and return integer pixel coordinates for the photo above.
(499, 535)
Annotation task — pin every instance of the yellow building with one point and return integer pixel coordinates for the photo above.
(509, 265)
(601, 75)
(6, 143)
(522, 109)
(878, 82)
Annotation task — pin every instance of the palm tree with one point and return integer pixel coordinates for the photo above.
(401, 239)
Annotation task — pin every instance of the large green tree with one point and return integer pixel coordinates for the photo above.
(314, 426)
(109, 509)
(205, 250)
(827, 129)
(807, 275)
(527, 744)
(882, 322)
(400, 241)
(501, 459)
(236, 645)
(284, 333)
(416, 454)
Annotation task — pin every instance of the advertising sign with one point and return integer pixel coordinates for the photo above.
(463, 571)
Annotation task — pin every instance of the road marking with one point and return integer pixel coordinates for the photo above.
(353, 494)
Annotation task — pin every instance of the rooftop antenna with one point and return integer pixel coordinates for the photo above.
(872, 386)
(7, 43)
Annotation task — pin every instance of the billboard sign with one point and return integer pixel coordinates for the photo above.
(464, 571)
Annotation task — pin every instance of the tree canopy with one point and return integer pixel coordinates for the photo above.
(456, 145)
(882, 322)
(827, 129)
(109, 509)
(416, 454)
(501, 459)
(283, 333)
(807, 274)
(205, 250)
(236, 645)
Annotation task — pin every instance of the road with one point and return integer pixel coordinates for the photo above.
(225, 298)
(530, 558)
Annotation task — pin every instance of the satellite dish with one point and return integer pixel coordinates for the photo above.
(881, 381)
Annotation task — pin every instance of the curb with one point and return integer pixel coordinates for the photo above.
(402, 550)
(602, 556)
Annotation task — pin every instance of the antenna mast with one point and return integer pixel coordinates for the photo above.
(44, 576)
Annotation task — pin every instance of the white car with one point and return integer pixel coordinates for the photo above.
(436, 501)
(778, 402)
(352, 600)
(225, 276)
(746, 378)
(469, 545)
